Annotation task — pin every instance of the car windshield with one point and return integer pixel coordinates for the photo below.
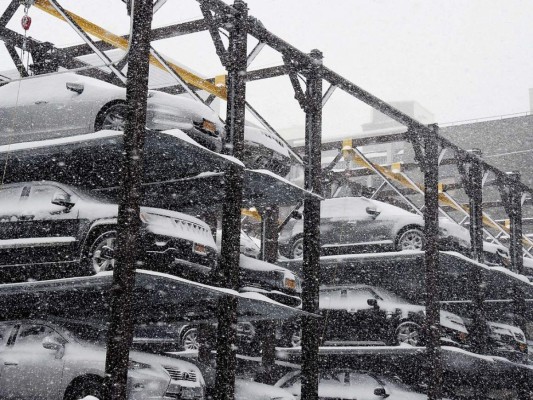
(92, 195)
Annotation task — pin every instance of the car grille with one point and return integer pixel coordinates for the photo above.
(177, 375)
(189, 226)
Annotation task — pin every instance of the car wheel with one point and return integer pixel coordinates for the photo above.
(80, 390)
(409, 333)
(112, 118)
(297, 248)
(189, 340)
(101, 252)
(411, 239)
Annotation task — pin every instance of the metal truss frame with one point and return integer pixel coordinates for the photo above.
(297, 64)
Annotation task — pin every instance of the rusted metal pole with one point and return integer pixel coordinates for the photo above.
(228, 273)
(431, 226)
(311, 256)
(120, 333)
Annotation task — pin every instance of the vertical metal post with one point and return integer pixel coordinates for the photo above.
(311, 255)
(475, 196)
(269, 234)
(269, 253)
(515, 217)
(120, 333)
(431, 226)
(228, 273)
(515, 246)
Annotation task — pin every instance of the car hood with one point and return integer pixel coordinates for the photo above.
(246, 389)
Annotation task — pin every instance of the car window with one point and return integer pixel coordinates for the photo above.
(10, 200)
(346, 298)
(31, 336)
(5, 331)
(345, 207)
(40, 200)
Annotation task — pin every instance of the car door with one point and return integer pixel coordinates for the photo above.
(49, 231)
(29, 370)
(347, 220)
(11, 224)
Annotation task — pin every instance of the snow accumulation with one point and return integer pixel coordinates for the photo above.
(499, 269)
(263, 137)
(61, 141)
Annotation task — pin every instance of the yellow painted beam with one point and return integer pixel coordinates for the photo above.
(443, 196)
(121, 43)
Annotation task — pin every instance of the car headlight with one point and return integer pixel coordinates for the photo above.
(132, 364)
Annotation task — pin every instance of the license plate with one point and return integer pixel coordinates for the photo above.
(199, 249)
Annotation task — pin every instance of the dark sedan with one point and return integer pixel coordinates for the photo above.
(358, 315)
(50, 230)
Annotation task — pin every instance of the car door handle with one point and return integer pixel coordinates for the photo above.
(11, 363)
(41, 102)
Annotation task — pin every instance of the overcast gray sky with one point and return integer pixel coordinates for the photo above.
(459, 59)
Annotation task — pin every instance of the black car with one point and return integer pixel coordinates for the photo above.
(367, 315)
(49, 230)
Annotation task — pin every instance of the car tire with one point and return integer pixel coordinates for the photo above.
(189, 340)
(409, 333)
(112, 118)
(410, 239)
(97, 261)
(80, 389)
(297, 247)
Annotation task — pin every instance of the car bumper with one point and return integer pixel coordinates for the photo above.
(160, 120)
(177, 257)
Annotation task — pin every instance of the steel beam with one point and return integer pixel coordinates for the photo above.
(431, 228)
(120, 334)
(311, 256)
(228, 274)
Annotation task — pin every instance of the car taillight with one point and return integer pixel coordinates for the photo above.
(290, 283)
(199, 249)
(209, 126)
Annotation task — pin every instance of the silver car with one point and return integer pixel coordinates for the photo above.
(66, 104)
(65, 360)
(54, 106)
(358, 224)
(338, 383)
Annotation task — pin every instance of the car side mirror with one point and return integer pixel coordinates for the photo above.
(373, 211)
(372, 303)
(53, 343)
(381, 392)
(75, 87)
(296, 214)
(62, 199)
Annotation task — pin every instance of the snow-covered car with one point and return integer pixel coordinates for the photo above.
(248, 389)
(264, 150)
(52, 230)
(54, 106)
(66, 104)
(367, 315)
(505, 340)
(248, 245)
(343, 383)
(63, 360)
(358, 224)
